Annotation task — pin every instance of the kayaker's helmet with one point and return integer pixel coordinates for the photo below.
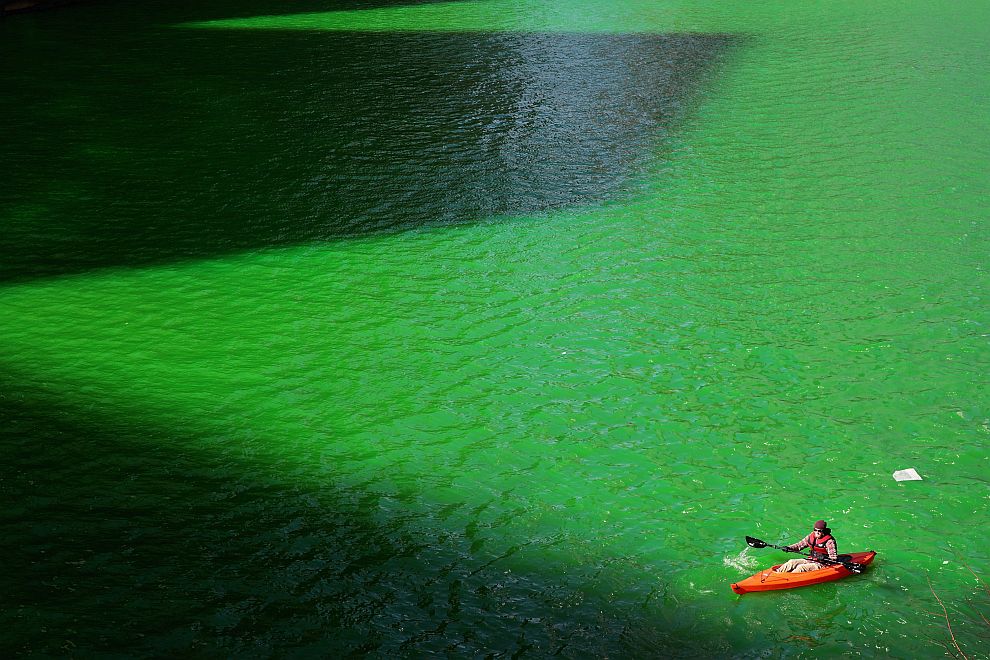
(821, 524)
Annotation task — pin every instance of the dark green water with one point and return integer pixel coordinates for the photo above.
(491, 328)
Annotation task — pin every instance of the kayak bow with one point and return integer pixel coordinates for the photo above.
(767, 580)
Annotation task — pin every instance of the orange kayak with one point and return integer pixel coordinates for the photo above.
(767, 580)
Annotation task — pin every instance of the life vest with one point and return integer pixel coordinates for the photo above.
(817, 545)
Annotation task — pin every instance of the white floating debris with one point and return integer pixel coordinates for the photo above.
(909, 474)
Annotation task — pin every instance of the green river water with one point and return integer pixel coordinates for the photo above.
(491, 328)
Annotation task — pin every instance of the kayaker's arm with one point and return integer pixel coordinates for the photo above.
(833, 552)
(797, 547)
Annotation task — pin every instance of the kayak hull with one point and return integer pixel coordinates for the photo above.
(767, 580)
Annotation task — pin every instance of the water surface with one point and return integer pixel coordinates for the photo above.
(491, 328)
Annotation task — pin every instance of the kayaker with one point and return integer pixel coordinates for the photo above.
(822, 544)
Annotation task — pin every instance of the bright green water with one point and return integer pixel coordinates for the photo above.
(492, 327)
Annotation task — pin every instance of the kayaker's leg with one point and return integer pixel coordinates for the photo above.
(789, 565)
(798, 566)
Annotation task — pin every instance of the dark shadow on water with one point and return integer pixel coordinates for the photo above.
(129, 537)
(132, 145)
(212, 9)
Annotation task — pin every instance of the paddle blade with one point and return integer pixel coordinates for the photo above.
(755, 543)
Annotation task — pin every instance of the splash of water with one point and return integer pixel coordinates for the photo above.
(742, 561)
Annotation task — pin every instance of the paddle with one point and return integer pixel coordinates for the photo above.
(848, 565)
